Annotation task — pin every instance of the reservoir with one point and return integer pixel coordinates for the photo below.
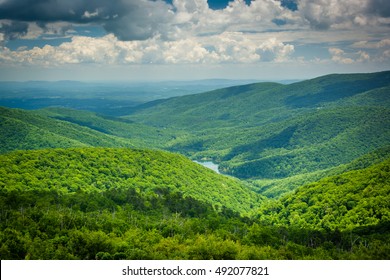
(209, 164)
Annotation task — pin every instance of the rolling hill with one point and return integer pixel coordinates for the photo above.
(269, 131)
(64, 128)
(22, 129)
(356, 198)
(100, 169)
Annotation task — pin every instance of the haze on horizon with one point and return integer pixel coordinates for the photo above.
(191, 39)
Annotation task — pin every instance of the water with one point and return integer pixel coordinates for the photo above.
(209, 164)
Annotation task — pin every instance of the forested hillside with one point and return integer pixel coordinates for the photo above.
(95, 203)
(267, 131)
(145, 172)
(143, 136)
(25, 130)
(275, 188)
(358, 198)
(63, 128)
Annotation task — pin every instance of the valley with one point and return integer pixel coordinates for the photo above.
(306, 170)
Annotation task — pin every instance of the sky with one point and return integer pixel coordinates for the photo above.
(134, 40)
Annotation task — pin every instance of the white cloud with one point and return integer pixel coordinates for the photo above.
(376, 50)
(363, 56)
(228, 47)
(372, 45)
(340, 56)
(88, 14)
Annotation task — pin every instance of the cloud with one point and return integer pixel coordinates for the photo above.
(127, 19)
(143, 19)
(372, 45)
(88, 14)
(325, 14)
(338, 56)
(108, 50)
(140, 20)
(379, 7)
(52, 10)
(12, 30)
(190, 32)
(342, 57)
(178, 19)
(377, 50)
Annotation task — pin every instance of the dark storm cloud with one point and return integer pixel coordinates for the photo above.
(52, 10)
(323, 15)
(13, 30)
(140, 20)
(127, 19)
(379, 7)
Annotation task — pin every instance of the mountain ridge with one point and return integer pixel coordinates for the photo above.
(258, 132)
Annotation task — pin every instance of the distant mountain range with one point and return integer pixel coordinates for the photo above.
(108, 98)
(265, 132)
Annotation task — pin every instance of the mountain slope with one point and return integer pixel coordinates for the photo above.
(139, 134)
(276, 188)
(270, 131)
(358, 198)
(143, 171)
(323, 139)
(100, 203)
(21, 129)
(256, 104)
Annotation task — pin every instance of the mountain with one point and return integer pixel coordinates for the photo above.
(100, 203)
(268, 131)
(255, 104)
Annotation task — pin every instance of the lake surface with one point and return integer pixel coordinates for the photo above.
(209, 164)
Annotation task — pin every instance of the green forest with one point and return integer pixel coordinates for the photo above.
(305, 175)
(100, 203)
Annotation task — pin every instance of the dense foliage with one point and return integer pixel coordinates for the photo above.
(275, 188)
(126, 204)
(358, 198)
(24, 130)
(99, 169)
